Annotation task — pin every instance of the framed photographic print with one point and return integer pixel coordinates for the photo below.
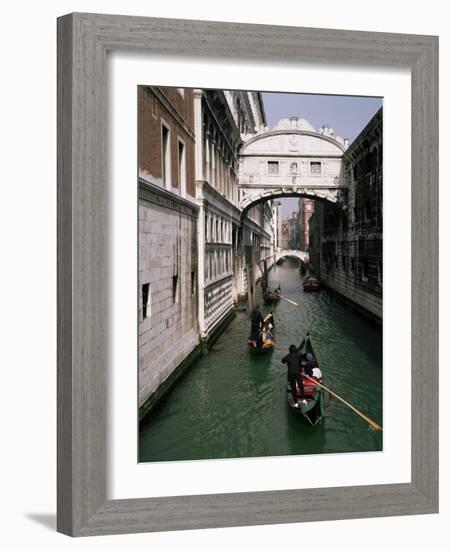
(242, 323)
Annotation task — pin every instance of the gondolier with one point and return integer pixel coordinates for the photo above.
(256, 320)
(312, 407)
(292, 360)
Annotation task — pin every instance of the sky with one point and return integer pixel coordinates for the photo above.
(347, 115)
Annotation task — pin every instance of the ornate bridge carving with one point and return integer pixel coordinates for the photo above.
(293, 159)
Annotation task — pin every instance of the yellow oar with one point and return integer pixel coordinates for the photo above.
(366, 418)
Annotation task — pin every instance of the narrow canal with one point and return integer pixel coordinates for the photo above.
(232, 402)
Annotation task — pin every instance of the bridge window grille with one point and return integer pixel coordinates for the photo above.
(315, 168)
(273, 167)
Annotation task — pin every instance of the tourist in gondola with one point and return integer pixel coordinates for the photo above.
(317, 373)
(295, 378)
(266, 337)
(269, 321)
(309, 364)
(256, 320)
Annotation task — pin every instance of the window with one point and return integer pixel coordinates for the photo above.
(165, 146)
(193, 283)
(344, 267)
(273, 167)
(353, 263)
(175, 289)
(365, 269)
(181, 169)
(146, 301)
(315, 168)
(154, 106)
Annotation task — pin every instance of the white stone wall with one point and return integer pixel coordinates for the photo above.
(167, 248)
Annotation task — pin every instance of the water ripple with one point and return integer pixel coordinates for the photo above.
(232, 402)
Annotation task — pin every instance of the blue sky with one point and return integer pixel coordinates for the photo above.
(347, 115)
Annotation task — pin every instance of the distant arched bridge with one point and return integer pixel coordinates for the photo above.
(299, 254)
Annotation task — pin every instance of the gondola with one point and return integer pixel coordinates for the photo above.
(311, 284)
(271, 296)
(314, 410)
(266, 339)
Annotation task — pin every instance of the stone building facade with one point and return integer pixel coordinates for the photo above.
(285, 234)
(228, 243)
(294, 232)
(305, 211)
(277, 232)
(198, 254)
(168, 215)
(346, 248)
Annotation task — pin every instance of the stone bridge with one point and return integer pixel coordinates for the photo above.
(292, 159)
(299, 254)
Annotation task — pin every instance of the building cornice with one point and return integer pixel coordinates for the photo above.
(157, 195)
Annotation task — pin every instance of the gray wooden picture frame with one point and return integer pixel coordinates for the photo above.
(83, 41)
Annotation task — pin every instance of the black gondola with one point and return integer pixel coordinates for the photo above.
(314, 409)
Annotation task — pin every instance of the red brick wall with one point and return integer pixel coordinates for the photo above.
(150, 112)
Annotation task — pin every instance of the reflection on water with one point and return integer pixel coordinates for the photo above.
(232, 402)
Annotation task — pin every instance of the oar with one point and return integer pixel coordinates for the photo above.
(366, 418)
(287, 299)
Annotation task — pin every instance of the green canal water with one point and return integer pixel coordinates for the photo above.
(232, 402)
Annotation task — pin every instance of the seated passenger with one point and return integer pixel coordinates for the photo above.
(317, 373)
(303, 364)
(310, 363)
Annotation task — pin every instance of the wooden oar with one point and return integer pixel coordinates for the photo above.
(287, 299)
(366, 418)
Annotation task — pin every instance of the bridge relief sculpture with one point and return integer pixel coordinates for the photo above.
(293, 158)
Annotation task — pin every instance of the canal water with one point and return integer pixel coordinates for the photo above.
(232, 402)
